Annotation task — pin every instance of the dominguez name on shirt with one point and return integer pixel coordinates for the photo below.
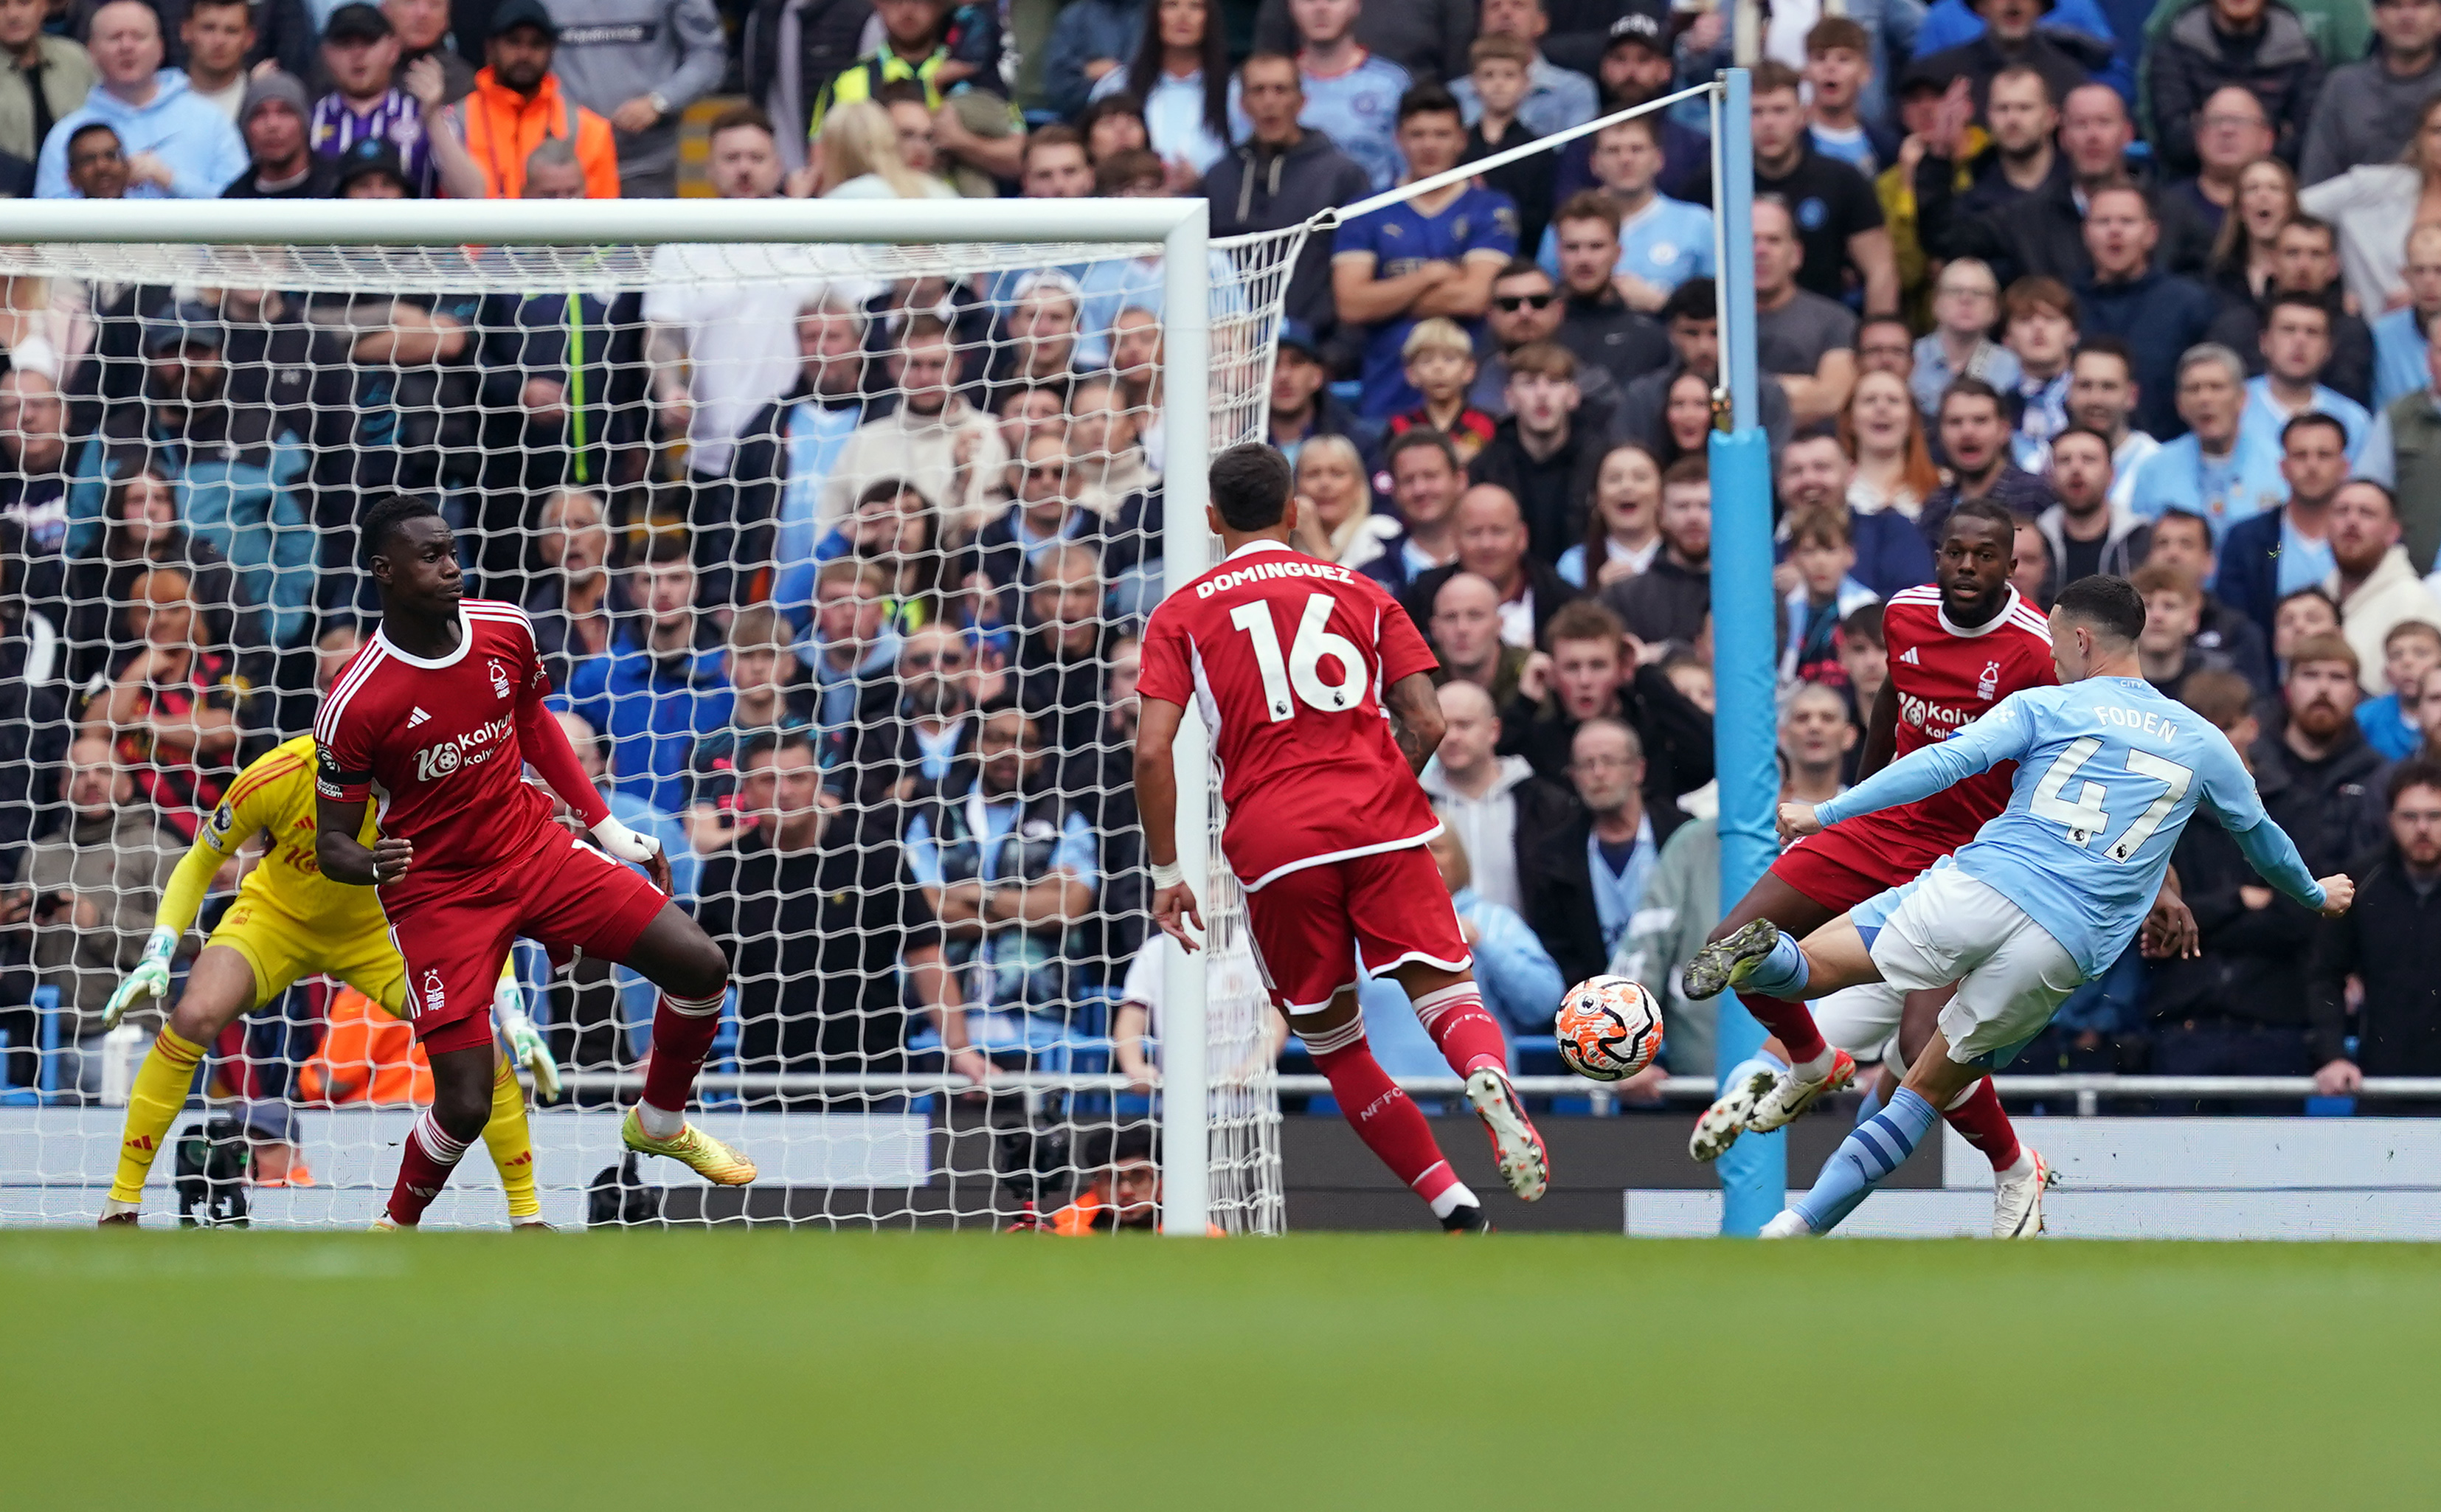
(1264, 571)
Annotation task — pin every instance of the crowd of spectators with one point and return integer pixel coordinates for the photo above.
(839, 578)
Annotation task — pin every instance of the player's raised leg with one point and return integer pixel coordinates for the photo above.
(1774, 901)
(220, 986)
(1771, 961)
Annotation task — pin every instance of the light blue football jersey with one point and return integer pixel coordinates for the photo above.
(2108, 769)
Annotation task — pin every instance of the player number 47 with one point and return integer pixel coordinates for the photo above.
(1300, 672)
(2085, 816)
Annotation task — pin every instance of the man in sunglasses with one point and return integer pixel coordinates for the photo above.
(1526, 307)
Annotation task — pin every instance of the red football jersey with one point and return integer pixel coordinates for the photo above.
(1946, 678)
(1287, 656)
(435, 743)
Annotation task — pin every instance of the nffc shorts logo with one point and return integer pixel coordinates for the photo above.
(435, 995)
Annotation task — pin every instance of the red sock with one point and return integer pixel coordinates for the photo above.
(1467, 1036)
(423, 1166)
(1980, 1123)
(682, 1033)
(1792, 1023)
(1389, 1123)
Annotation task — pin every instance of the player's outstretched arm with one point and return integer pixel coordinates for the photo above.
(1173, 901)
(1415, 715)
(1999, 736)
(2267, 849)
(345, 858)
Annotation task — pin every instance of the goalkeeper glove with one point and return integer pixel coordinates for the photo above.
(151, 978)
(624, 843)
(527, 1046)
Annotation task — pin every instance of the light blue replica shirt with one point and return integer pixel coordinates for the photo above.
(2108, 769)
(1665, 243)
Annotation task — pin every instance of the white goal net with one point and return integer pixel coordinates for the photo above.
(836, 523)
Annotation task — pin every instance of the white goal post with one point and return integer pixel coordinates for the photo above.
(1219, 306)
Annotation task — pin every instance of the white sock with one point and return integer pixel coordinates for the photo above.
(1455, 1197)
(1815, 1069)
(2022, 1166)
(660, 1124)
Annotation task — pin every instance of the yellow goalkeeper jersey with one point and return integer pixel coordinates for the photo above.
(274, 798)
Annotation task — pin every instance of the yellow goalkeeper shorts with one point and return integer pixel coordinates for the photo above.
(283, 949)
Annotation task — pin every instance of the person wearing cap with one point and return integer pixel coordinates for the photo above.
(518, 101)
(1281, 175)
(640, 63)
(218, 37)
(178, 146)
(1636, 67)
(371, 169)
(42, 78)
(360, 52)
(274, 118)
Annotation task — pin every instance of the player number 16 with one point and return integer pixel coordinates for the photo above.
(1301, 673)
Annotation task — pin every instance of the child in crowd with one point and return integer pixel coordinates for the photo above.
(1499, 76)
(1838, 65)
(2040, 331)
(1439, 362)
(2409, 653)
(1825, 596)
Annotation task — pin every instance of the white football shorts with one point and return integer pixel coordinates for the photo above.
(1863, 1020)
(1947, 926)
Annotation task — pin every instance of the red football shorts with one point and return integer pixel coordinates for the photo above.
(1848, 863)
(1313, 927)
(565, 895)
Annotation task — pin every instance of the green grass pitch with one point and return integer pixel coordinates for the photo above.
(764, 1370)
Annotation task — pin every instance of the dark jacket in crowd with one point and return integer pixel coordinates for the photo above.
(1543, 581)
(1553, 492)
(790, 50)
(2391, 941)
(1603, 331)
(1891, 552)
(2064, 58)
(1258, 189)
(2253, 962)
(2159, 315)
(2248, 577)
(2043, 233)
(2350, 369)
(2343, 807)
(1559, 889)
(1677, 735)
(1665, 602)
(2279, 64)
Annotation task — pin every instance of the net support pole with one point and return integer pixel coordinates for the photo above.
(1754, 1173)
(1186, 549)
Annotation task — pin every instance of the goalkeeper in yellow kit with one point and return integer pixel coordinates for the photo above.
(288, 923)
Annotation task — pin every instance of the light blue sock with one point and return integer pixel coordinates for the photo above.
(1872, 1103)
(1869, 1153)
(1781, 974)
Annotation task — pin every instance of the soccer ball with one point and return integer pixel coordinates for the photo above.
(1609, 1028)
